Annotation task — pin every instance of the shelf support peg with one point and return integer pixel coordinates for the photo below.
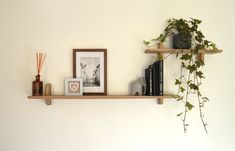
(48, 101)
(160, 101)
(201, 57)
(48, 93)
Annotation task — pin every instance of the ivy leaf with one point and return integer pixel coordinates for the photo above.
(188, 82)
(193, 86)
(161, 38)
(183, 65)
(146, 42)
(213, 45)
(189, 106)
(201, 104)
(199, 63)
(186, 57)
(197, 21)
(179, 114)
(182, 89)
(206, 43)
(198, 47)
(205, 99)
(192, 68)
(200, 74)
(199, 36)
(180, 98)
(199, 93)
(177, 81)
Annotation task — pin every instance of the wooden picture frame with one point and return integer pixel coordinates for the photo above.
(91, 66)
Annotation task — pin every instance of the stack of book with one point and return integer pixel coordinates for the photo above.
(154, 79)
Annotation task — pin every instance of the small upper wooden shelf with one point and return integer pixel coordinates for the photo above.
(48, 99)
(183, 51)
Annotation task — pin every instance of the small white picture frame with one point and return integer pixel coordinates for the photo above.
(73, 86)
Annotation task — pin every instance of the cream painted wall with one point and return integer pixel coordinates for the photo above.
(58, 26)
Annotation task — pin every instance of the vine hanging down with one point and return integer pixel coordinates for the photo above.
(190, 83)
(186, 35)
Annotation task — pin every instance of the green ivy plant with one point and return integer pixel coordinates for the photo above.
(191, 74)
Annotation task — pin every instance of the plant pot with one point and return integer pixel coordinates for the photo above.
(181, 41)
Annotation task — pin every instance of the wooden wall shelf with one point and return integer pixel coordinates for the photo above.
(200, 56)
(48, 99)
(181, 51)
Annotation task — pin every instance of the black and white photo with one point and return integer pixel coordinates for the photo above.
(90, 65)
(90, 71)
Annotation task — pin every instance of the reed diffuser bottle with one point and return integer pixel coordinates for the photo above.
(37, 85)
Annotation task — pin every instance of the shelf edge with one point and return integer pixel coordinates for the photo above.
(174, 51)
(100, 97)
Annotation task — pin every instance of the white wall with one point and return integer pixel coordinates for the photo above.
(58, 26)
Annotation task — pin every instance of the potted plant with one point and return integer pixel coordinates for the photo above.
(186, 35)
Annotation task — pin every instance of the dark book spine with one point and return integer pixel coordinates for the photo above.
(147, 81)
(155, 79)
(158, 77)
(161, 91)
(150, 80)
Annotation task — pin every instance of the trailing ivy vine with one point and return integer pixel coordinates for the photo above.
(191, 74)
(189, 83)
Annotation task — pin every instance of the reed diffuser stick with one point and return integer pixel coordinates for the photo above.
(42, 62)
(40, 57)
(37, 62)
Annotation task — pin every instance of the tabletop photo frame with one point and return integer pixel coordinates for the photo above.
(73, 86)
(91, 66)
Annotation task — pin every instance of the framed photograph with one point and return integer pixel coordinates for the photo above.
(91, 66)
(73, 86)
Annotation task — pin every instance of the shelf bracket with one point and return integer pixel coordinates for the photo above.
(201, 57)
(48, 101)
(160, 101)
(48, 93)
(160, 55)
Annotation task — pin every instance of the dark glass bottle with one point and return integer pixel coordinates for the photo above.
(37, 88)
